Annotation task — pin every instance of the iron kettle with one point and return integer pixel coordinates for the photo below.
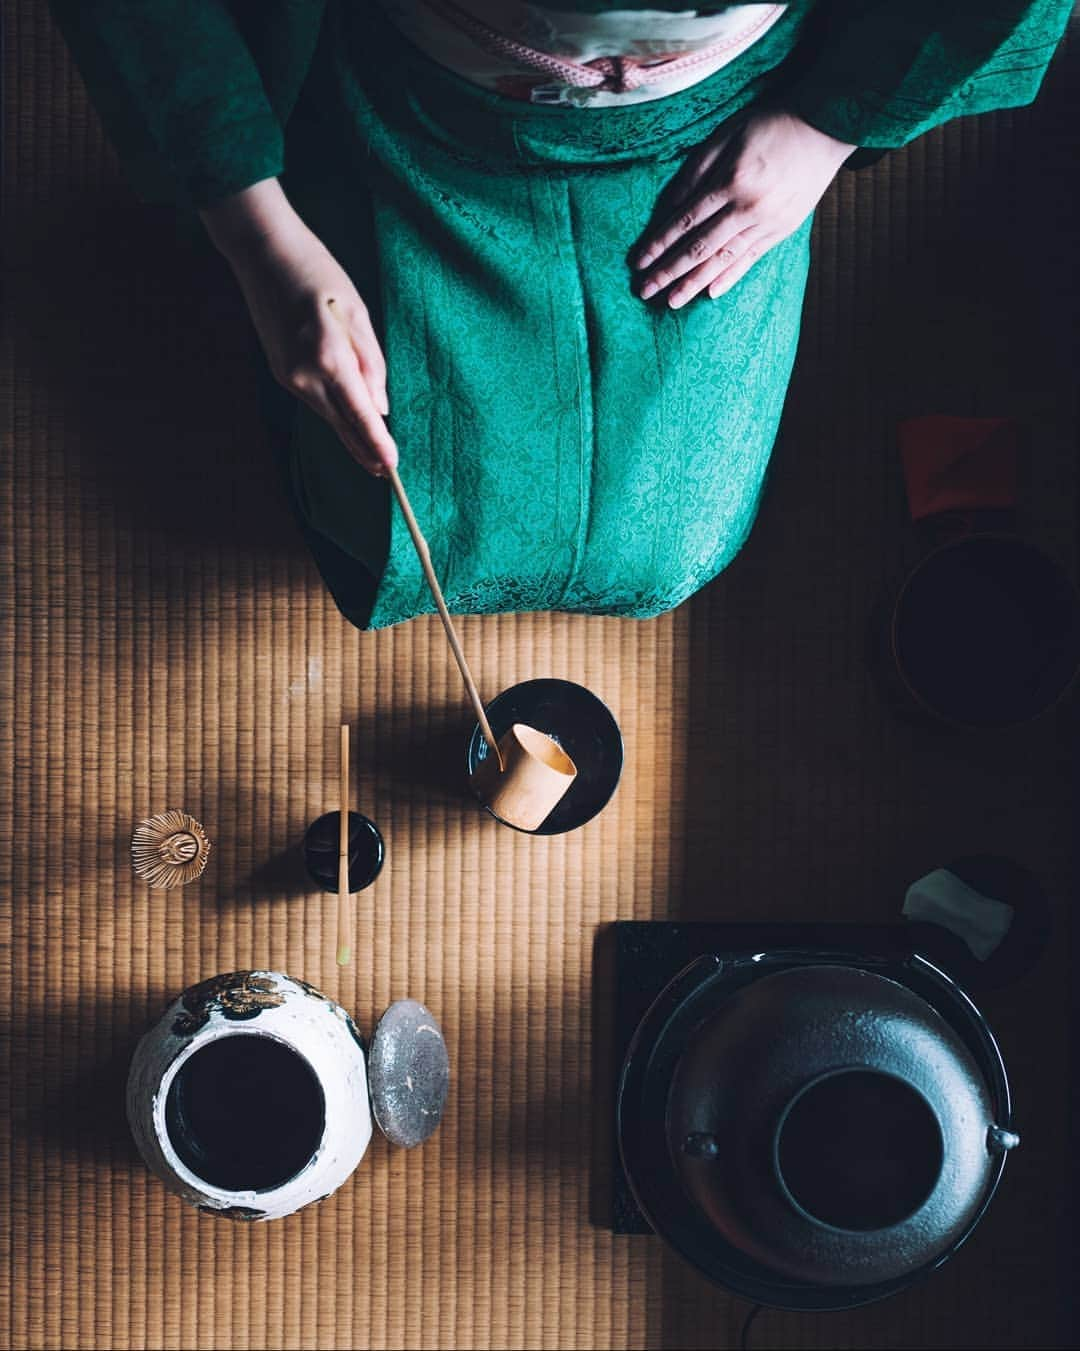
(814, 1130)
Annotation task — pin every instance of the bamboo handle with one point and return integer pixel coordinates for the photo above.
(344, 936)
(424, 554)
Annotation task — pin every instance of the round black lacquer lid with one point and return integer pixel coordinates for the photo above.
(366, 851)
(986, 631)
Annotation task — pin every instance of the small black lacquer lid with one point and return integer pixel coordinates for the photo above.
(366, 851)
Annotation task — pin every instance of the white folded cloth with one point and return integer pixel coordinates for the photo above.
(943, 898)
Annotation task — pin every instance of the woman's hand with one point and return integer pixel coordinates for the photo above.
(739, 193)
(313, 326)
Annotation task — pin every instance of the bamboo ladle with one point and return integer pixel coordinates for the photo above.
(424, 554)
(534, 772)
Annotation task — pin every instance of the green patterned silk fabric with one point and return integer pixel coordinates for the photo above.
(565, 445)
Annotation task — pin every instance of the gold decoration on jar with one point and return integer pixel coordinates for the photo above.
(169, 850)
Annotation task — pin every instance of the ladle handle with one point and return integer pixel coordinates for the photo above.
(424, 554)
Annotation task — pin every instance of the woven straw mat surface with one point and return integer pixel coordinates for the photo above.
(167, 643)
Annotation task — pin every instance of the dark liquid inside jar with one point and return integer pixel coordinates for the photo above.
(245, 1113)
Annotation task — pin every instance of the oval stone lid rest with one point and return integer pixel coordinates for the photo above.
(408, 1073)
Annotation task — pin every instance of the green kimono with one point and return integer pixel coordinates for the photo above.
(566, 446)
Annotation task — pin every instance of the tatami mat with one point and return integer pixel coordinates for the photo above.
(167, 643)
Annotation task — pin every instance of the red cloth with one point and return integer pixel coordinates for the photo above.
(958, 464)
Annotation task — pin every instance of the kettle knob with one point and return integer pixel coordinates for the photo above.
(701, 1145)
(999, 1140)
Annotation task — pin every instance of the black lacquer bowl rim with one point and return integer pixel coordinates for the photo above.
(641, 1114)
(571, 812)
(979, 538)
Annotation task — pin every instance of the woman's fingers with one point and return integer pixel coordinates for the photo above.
(693, 212)
(358, 422)
(690, 252)
(690, 175)
(370, 357)
(745, 247)
(353, 372)
(355, 323)
(741, 265)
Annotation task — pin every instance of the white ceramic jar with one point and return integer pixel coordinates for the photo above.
(249, 1096)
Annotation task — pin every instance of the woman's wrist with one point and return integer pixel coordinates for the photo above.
(246, 221)
(840, 149)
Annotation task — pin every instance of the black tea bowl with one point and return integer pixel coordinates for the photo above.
(581, 724)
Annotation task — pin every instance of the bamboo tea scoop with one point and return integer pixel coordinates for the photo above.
(527, 773)
(345, 917)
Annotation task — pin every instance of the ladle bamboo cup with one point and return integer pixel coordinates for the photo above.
(529, 772)
(536, 775)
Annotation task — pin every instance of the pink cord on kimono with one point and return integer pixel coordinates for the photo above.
(615, 73)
